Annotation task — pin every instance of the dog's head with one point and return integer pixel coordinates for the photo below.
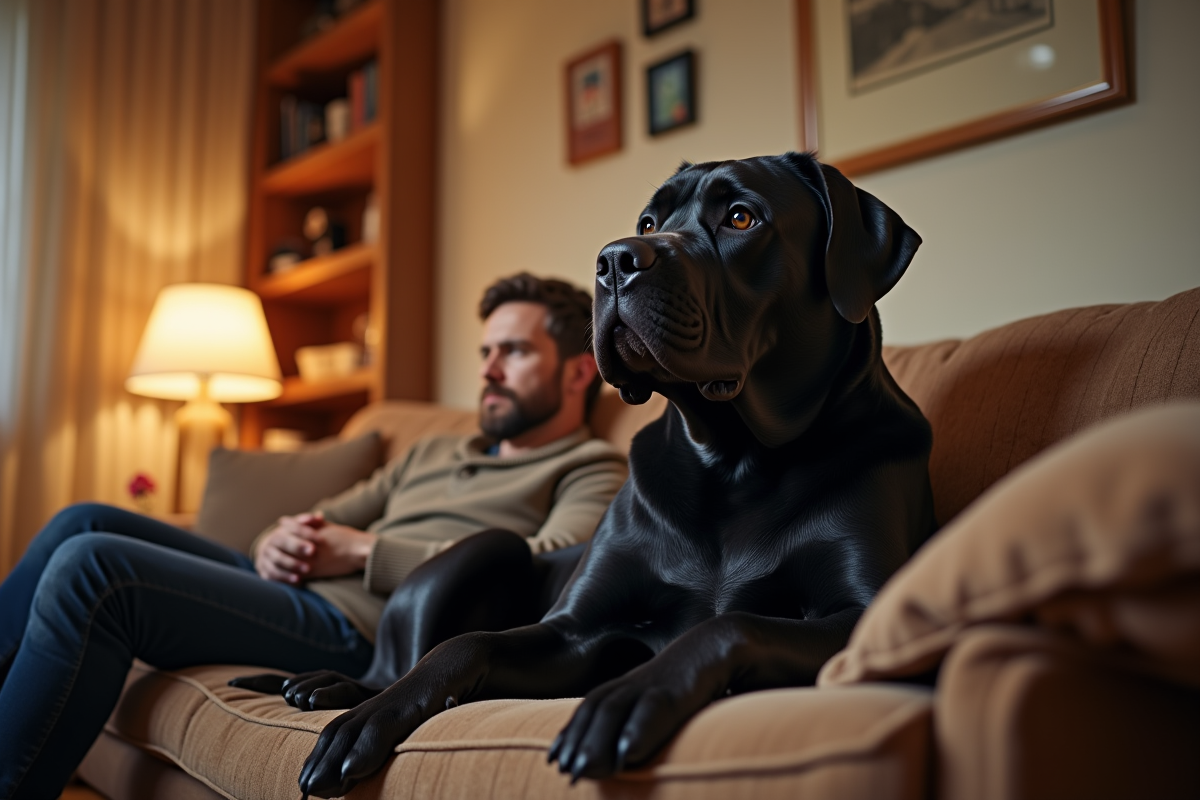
(745, 281)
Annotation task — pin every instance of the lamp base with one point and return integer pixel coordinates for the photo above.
(202, 425)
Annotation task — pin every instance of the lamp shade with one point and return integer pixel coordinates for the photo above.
(206, 333)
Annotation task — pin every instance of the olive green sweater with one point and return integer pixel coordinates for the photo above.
(447, 487)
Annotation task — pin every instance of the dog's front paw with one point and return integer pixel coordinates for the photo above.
(324, 690)
(266, 683)
(623, 724)
(359, 742)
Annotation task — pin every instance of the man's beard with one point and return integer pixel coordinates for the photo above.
(523, 415)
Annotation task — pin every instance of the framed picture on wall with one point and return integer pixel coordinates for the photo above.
(885, 83)
(671, 93)
(658, 15)
(594, 103)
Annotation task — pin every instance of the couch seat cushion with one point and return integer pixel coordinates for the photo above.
(852, 742)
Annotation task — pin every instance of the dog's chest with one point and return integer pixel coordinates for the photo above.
(736, 545)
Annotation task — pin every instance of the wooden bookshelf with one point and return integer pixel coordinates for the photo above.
(331, 393)
(347, 164)
(323, 298)
(339, 277)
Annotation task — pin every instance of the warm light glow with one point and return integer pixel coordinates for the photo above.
(206, 331)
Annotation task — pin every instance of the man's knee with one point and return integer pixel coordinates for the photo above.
(87, 560)
(76, 518)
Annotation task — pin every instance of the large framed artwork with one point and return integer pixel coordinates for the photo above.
(885, 82)
(594, 103)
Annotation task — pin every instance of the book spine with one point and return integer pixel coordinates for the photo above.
(357, 87)
(287, 126)
(371, 74)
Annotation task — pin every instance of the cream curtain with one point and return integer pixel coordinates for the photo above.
(124, 131)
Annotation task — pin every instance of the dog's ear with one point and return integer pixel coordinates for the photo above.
(869, 246)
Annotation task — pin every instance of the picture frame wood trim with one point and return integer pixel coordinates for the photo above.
(1114, 88)
(577, 152)
(648, 32)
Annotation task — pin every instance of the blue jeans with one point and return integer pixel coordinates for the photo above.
(100, 586)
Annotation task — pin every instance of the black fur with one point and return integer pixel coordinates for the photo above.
(786, 481)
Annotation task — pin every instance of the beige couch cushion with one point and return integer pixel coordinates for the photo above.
(863, 741)
(247, 490)
(1099, 537)
(997, 399)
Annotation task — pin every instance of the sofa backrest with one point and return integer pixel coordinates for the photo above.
(994, 400)
(402, 422)
(999, 398)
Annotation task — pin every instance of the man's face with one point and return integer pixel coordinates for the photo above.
(521, 371)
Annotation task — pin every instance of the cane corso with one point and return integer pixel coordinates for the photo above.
(786, 481)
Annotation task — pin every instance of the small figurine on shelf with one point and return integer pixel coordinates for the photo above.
(324, 234)
(287, 253)
(141, 489)
(337, 119)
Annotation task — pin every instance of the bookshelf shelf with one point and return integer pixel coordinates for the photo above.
(352, 40)
(342, 275)
(346, 164)
(329, 394)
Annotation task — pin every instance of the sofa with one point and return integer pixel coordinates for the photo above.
(1045, 643)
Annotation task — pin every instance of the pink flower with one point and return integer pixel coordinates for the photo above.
(141, 485)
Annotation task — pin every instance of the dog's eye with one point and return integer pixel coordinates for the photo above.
(646, 226)
(741, 219)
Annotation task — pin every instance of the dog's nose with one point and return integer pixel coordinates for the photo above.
(626, 255)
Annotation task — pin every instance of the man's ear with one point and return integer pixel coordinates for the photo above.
(578, 372)
(868, 248)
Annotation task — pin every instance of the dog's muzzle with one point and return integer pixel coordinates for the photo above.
(625, 257)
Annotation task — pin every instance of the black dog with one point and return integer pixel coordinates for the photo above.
(787, 480)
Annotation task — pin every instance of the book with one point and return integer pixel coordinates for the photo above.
(371, 91)
(356, 89)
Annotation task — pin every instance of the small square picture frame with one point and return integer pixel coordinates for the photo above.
(593, 103)
(659, 15)
(671, 93)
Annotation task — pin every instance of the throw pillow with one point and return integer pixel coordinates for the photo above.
(1098, 537)
(248, 490)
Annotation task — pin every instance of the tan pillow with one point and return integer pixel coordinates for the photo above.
(248, 490)
(1099, 536)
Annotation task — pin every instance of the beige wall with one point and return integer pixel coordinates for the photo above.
(1097, 210)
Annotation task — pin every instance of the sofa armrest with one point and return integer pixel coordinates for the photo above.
(1099, 536)
(1022, 712)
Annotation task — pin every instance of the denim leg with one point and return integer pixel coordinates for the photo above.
(16, 592)
(103, 600)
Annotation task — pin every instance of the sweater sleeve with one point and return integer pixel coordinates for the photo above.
(358, 506)
(366, 501)
(582, 498)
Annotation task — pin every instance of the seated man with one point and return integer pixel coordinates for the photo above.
(100, 586)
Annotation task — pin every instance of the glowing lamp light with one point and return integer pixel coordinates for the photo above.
(208, 344)
(206, 339)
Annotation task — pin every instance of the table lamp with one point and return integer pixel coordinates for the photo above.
(205, 343)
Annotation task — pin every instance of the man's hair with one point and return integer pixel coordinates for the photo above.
(568, 314)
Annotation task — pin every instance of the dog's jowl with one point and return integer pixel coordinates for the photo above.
(785, 482)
